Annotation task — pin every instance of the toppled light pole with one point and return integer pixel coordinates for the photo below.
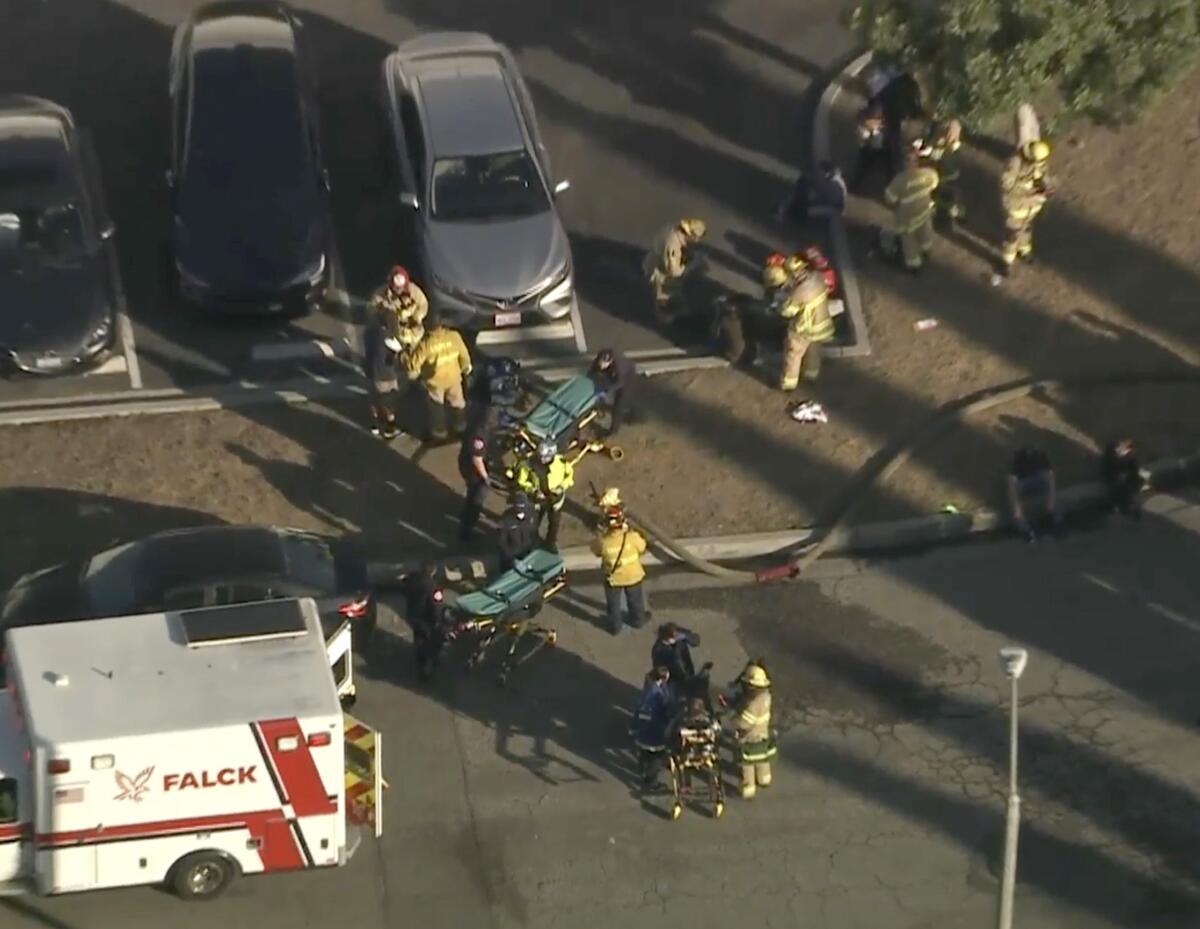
(1013, 661)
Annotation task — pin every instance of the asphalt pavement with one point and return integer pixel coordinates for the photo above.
(515, 807)
(652, 112)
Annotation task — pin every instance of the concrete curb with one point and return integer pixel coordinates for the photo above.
(840, 245)
(919, 531)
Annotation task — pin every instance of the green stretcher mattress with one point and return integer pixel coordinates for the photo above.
(562, 409)
(516, 588)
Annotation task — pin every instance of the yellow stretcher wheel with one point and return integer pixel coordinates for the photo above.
(615, 453)
(676, 811)
(552, 638)
(719, 810)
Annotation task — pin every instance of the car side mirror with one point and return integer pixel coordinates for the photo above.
(561, 187)
(107, 231)
(410, 201)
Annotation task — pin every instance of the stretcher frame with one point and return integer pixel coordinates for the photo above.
(515, 617)
(681, 767)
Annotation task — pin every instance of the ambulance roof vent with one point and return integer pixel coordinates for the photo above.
(245, 622)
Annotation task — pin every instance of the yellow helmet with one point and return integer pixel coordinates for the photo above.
(775, 275)
(796, 265)
(610, 498)
(1037, 151)
(693, 228)
(756, 676)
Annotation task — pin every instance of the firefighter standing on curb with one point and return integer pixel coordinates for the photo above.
(620, 548)
(751, 711)
(1024, 188)
(809, 325)
(441, 362)
(546, 481)
(910, 195)
(668, 263)
(943, 151)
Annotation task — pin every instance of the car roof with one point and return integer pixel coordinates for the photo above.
(224, 26)
(186, 556)
(467, 105)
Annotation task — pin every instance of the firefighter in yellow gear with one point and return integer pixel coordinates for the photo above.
(808, 326)
(545, 480)
(620, 548)
(910, 195)
(441, 362)
(751, 712)
(942, 151)
(667, 264)
(1024, 188)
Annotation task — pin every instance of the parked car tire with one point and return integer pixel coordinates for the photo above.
(202, 876)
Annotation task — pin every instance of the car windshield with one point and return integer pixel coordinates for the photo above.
(247, 131)
(487, 187)
(109, 579)
(309, 560)
(34, 215)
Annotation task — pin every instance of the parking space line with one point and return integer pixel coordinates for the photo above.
(577, 325)
(563, 329)
(114, 364)
(127, 347)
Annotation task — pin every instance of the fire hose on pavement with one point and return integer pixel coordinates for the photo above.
(889, 459)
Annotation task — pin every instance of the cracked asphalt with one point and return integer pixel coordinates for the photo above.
(515, 808)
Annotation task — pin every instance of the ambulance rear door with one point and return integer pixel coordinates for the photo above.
(364, 775)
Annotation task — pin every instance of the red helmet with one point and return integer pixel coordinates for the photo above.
(776, 260)
(398, 279)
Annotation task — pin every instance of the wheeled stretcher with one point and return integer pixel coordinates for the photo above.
(506, 607)
(560, 419)
(694, 755)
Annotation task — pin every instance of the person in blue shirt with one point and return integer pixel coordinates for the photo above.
(648, 726)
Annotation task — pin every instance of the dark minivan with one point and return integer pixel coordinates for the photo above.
(252, 230)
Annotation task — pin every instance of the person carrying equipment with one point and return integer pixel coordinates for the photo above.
(751, 711)
(910, 195)
(441, 362)
(1025, 186)
(668, 263)
(620, 548)
(809, 325)
(614, 376)
(403, 301)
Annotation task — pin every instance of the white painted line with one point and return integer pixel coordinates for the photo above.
(114, 364)
(546, 332)
(300, 349)
(128, 349)
(669, 352)
(577, 325)
(1178, 618)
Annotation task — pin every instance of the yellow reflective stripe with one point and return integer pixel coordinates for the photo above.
(753, 719)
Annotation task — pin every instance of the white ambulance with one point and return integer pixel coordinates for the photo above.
(180, 748)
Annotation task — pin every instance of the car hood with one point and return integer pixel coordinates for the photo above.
(500, 258)
(249, 243)
(46, 596)
(50, 307)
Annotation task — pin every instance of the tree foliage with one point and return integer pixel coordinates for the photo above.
(979, 59)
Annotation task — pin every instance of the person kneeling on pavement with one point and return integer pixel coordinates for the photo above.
(620, 548)
(751, 711)
(614, 376)
(1032, 493)
(649, 722)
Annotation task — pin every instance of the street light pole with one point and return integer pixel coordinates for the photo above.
(1013, 661)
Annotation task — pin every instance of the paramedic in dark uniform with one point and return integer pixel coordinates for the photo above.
(614, 376)
(517, 534)
(472, 465)
(427, 613)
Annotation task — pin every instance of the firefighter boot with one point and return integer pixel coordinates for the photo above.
(749, 787)
(436, 420)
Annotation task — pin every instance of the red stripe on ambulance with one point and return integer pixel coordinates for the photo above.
(297, 772)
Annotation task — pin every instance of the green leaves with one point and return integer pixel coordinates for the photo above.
(978, 59)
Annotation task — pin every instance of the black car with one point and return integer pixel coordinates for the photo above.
(57, 274)
(252, 226)
(191, 568)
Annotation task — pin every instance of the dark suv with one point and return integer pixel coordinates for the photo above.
(252, 225)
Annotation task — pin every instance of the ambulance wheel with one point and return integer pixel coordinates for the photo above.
(202, 876)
